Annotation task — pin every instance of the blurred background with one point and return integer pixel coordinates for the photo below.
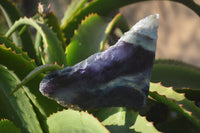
(178, 35)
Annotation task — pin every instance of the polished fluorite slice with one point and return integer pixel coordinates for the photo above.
(117, 77)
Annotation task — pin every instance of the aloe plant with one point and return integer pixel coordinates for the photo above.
(24, 63)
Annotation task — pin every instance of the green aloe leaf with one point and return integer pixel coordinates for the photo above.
(183, 77)
(7, 126)
(53, 47)
(9, 44)
(192, 94)
(176, 74)
(70, 121)
(123, 24)
(87, 39)
(16, 107)
(16, 61)
(73, 8)
(22, 67)
(104, 8)
(176, 101)
(101, 7)
(109, 28)
(12, 14)
(39, 47)
(51, 20)
(123, 120)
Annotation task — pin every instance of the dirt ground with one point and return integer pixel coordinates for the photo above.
(178, 34)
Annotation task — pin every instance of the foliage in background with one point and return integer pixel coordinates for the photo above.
(169, 109)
